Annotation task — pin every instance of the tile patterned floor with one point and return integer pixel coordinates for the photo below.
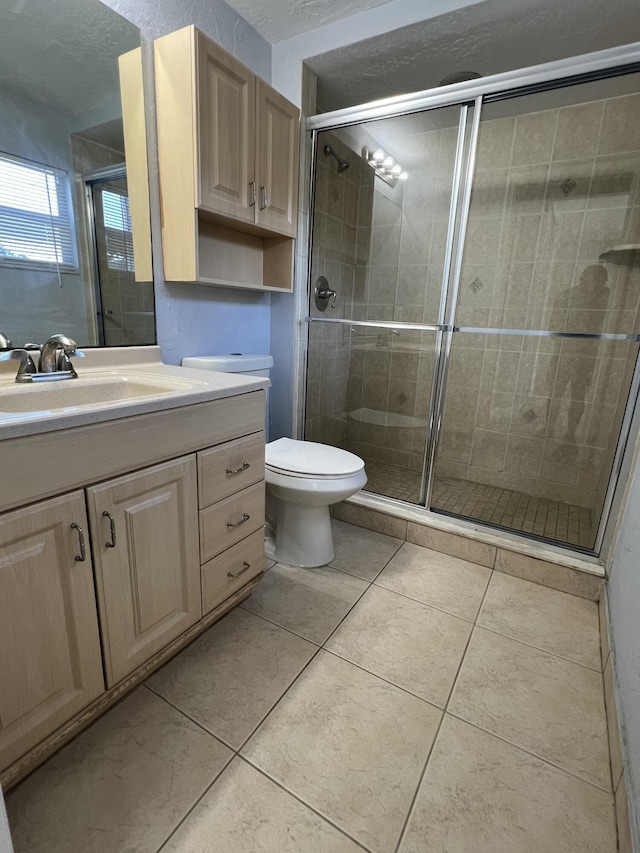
(397, 701)
(514, 510)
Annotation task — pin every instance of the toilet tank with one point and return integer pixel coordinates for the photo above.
(236, 362)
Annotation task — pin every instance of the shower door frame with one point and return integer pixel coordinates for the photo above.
(614, 62)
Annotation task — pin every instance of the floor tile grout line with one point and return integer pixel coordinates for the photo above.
(195, 805)
(539, 648)
(299, 799)
(442, 718)
(278, 700)
(427, 604)
(277, 625)
(541, 758)
(385, 680)
(187, 716)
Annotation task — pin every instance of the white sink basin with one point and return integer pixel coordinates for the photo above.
(87, 392)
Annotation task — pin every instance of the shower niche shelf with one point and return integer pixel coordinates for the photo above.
(228, 162)
(628, 254)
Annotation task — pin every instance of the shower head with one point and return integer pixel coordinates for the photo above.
(343, 165)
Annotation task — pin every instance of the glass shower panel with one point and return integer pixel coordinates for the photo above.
(382, 201)
(531, 419)
(369, 392)
(379, 235)
(529, 443)
(555, 200)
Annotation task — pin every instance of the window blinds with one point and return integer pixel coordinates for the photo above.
(117, 225)
(35, 215)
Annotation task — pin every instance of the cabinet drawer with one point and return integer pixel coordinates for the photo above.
(228, 521)
(225, 470)
(228, 572)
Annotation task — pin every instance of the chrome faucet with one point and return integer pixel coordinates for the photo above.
(54, 362)
(54, 356)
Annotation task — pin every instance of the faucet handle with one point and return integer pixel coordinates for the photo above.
(63, 361)
(5, 343)
(27, 367)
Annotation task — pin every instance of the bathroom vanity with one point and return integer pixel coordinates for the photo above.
(128, 526)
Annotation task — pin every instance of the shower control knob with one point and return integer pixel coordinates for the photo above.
(323, 294)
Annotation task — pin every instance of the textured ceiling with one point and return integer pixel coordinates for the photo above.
(63, 53)
(277, 20)
(487, 38)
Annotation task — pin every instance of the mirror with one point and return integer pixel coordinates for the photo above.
(66, 236)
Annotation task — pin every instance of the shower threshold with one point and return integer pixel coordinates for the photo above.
(505, 508)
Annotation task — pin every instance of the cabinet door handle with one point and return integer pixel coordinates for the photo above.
(252, 193)
(243, 467)
(245, 567)
(112, 527)
(265, 198)
(83, 552)
(244, 518)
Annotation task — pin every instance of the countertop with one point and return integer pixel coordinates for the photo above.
(204, 385)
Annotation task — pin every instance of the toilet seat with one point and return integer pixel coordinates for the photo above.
(308, 459)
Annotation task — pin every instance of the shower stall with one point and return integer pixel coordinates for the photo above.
(483, 245)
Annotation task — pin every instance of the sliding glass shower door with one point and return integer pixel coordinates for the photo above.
(382, 233)
(545, 338)
(482, 350)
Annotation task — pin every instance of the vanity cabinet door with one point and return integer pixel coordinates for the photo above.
(145, 543)
(278, 139)
(226, 133)
(50, 662)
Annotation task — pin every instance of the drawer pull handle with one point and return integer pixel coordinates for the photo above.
(265, 198)
(244, 518)
(83, 552)
(252, 193)
(112, 528)
(243, 467)
(245, 568)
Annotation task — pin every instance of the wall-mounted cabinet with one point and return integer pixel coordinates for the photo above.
(228, 158)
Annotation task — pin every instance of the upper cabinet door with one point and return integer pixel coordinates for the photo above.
(226, 133)
(145, 536)
(278, 135)
(50, 661)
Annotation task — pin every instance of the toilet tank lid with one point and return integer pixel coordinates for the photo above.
(308, 457)
(234, 362)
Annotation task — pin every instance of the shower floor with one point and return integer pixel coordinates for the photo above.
(504, 507)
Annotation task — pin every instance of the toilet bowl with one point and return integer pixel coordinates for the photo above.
(303, 479)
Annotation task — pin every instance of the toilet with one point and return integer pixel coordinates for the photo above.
(303, 480)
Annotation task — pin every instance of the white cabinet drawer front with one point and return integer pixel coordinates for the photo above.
(230, 520)
(231, 570)
(229, 468)
(50, 661)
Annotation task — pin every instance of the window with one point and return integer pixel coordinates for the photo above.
(35, 215)
(117, 226)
